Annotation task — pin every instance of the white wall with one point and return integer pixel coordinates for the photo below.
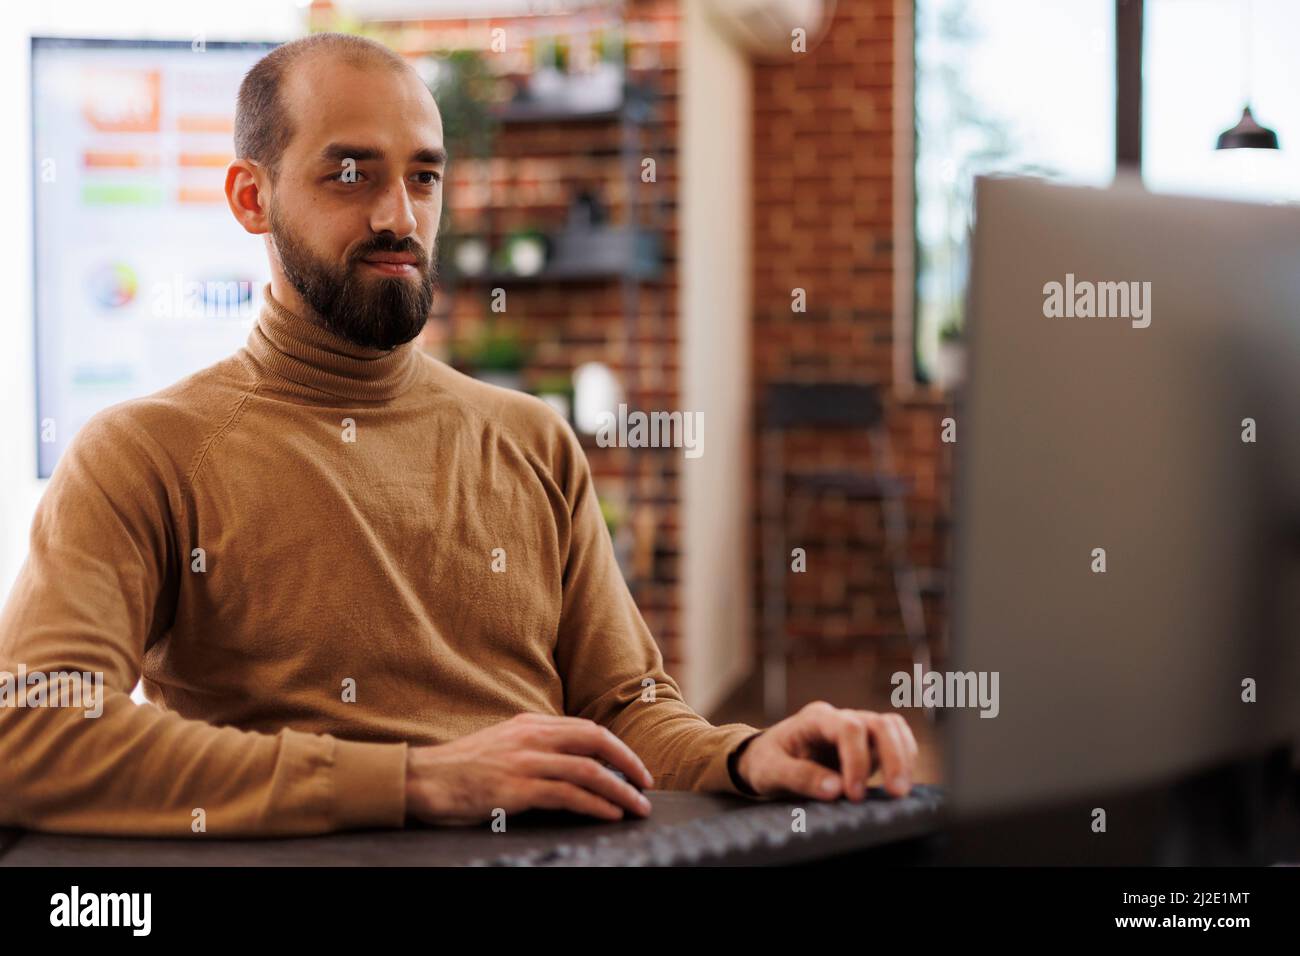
(715, 368)
(140, 19)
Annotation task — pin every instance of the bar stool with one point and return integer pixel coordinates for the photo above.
(792, 405)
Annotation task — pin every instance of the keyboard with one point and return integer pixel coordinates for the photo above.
(762, 833)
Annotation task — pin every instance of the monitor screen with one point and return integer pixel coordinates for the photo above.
(142, 275)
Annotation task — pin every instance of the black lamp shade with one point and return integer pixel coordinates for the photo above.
(1247, 134)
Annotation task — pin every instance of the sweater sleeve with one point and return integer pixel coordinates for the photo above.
(96, 590)
(612, 668)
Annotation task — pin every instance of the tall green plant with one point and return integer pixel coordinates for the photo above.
(463, 87)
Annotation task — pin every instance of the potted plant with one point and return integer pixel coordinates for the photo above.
(620, 532)
(612, 46)
(950, 360)
(557, 391)
(612, 512)
(550, 69)
(497, 355)
(600, 87)
(464, 87)
(523, 252)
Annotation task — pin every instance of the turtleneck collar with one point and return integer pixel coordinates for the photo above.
(297, 349)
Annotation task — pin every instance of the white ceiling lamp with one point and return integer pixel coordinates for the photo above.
(766, 28)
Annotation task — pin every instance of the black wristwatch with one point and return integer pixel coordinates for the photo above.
(733, 762)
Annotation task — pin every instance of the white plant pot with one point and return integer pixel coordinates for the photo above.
(599, 89)
(547, 85)
(950, 365)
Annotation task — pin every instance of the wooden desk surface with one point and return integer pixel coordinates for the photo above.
(413, 846)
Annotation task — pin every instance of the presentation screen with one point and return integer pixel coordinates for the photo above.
(142, 275)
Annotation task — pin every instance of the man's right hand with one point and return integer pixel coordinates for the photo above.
(532, 761)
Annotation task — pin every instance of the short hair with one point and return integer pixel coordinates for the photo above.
(263, 128)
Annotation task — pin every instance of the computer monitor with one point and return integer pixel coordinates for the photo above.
(1128, 482)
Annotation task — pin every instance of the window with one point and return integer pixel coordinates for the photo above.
(1203, 61)
(1001, 86)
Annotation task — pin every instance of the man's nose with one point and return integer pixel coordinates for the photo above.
(393, 212)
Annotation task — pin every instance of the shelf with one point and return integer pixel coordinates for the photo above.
(525, 111)
(634, 107)
(595, 255)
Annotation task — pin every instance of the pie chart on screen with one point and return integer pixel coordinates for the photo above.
(113, 285)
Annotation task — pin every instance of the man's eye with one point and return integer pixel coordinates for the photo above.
(434, 177)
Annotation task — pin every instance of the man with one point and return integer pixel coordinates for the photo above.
(360, 587)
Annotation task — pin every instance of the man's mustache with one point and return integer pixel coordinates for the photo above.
(411, 246)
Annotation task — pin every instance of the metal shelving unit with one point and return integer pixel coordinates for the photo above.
(630, 253)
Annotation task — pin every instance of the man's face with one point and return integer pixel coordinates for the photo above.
(354, 211)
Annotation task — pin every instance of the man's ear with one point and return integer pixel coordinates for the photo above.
(245, 182)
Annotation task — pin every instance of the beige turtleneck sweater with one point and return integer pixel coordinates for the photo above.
(295, 549)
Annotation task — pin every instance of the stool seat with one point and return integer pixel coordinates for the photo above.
(853, 406)
(852, 484)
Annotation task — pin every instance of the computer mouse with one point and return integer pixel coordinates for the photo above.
(539, 816)
(622, 776)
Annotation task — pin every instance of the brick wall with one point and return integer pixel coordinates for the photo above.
(823, 221)
(533, 171)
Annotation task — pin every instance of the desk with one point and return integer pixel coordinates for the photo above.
(413, 846)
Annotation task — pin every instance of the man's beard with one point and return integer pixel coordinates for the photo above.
(381, 312)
